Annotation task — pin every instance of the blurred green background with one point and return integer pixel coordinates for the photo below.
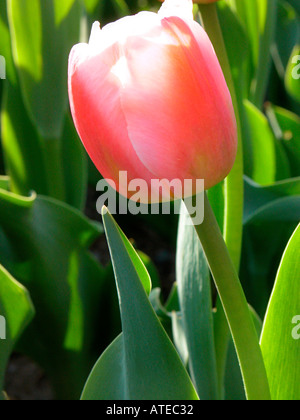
(51, 238)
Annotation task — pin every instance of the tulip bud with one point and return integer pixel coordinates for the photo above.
(148, 96)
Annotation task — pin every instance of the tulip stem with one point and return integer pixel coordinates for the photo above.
(235, 306)
(233, 186)
(224, 256)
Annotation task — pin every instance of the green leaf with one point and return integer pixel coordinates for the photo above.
(137, 262)
(269, 160)
(259, 18)
(194, 290)
(289, 134)
(16, 311)
(248, 13)
(264, 157)
(217, 201)
(4, 183)
(121, 7)
(280, 341)
(179, 338)
(43, 32)
(75, 165)
(142, 363)
(281, 208)
(26, 157)
(287, 36)
(23, 151)
(295, 5)
(151, 268)
(172, 303)
(234, 387)
(54, 166)
(267, 18)
(156, 302)
(5, 43)
(239, 54)
(91, 5)
(271, 214)
(237, 46)
(107, 380)
(50, 240)
(259, 21)
(165, 310)
(267, 202)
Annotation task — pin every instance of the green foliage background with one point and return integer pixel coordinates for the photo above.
(60, 301)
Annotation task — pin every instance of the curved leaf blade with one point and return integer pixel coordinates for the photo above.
(194, 290)
(110, 365)
(51, 240)
(270, 163)
(277, 202)
(151, 367)
(43, 33)
(280, 345)
(16, 311)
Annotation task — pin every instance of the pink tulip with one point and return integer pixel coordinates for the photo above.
(148, 96)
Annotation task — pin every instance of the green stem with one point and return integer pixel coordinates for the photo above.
(224, 260)
(234, 185)
(235, 306)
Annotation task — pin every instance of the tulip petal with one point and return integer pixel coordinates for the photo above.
(98, 117)
(177, 106)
